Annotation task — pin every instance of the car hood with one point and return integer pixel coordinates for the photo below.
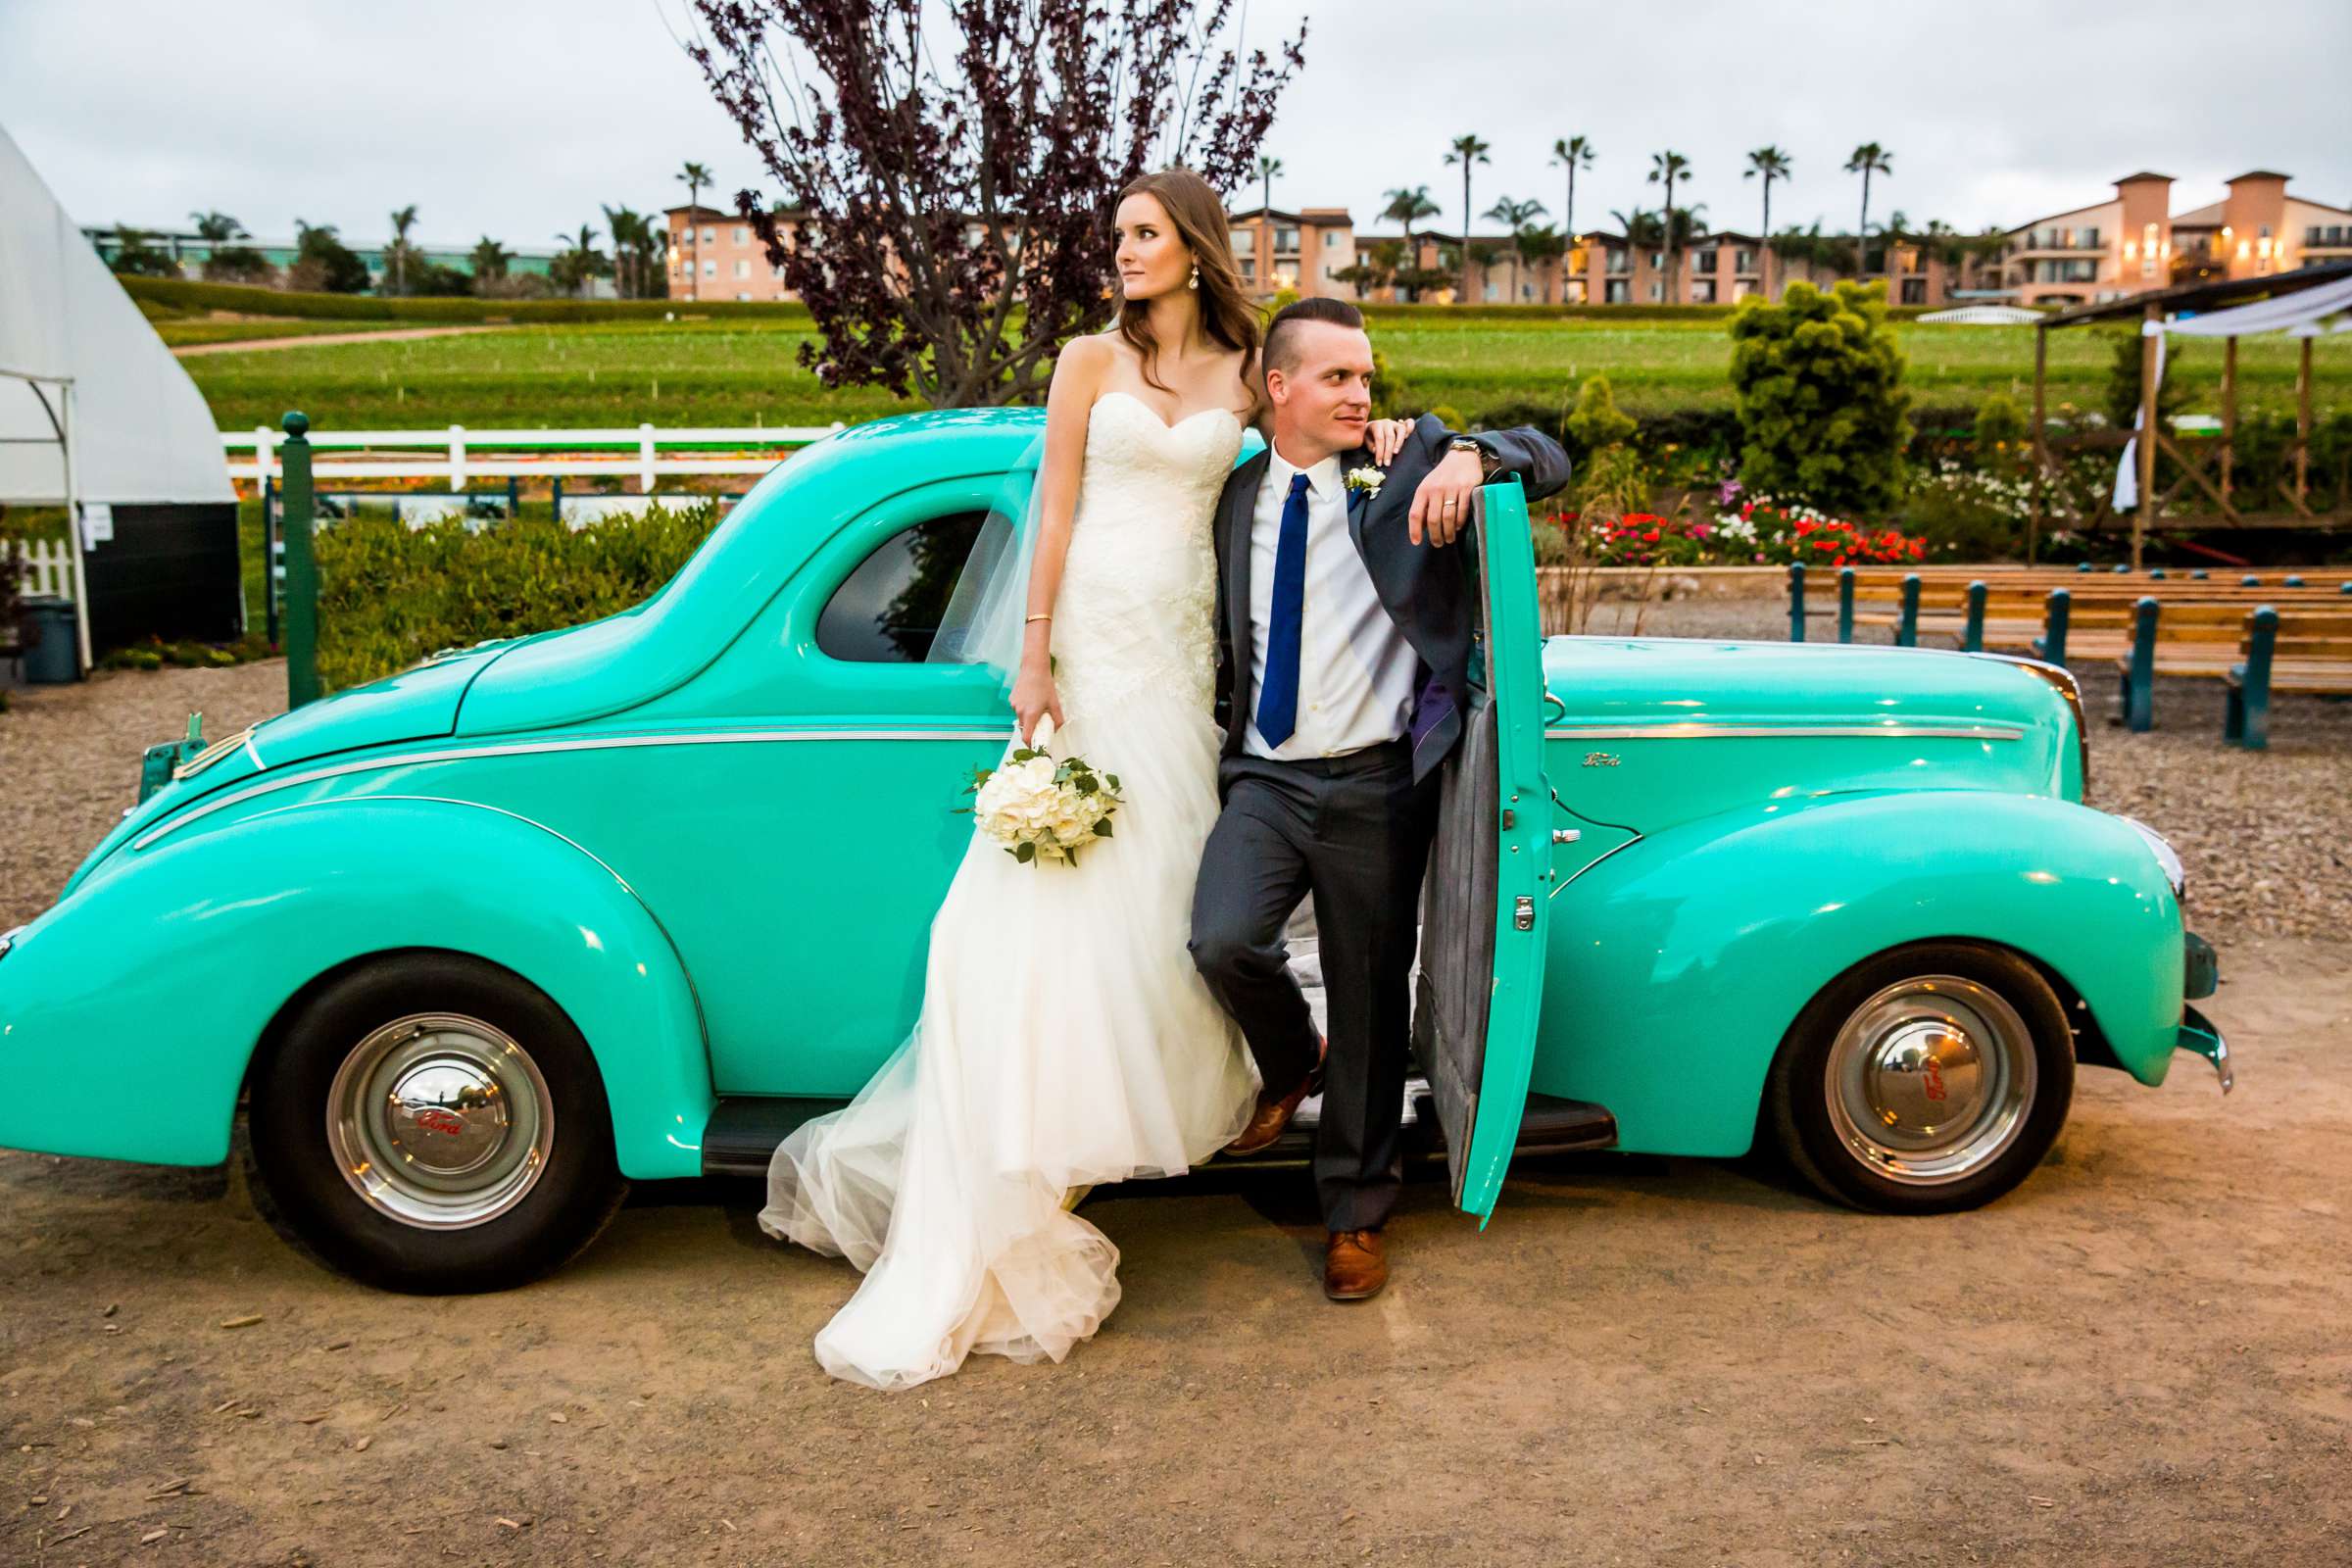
(1649, 730)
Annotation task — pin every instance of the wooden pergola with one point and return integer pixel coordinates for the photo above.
(2154, 307)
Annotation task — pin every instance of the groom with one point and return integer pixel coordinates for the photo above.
(1343, 626)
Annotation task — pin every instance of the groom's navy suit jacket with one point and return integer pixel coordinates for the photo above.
(1424, 588)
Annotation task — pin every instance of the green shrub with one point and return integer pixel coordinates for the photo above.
(1596, 422)
(1822, 413)
(2000, 429)
(390, 596)
(2123, 383)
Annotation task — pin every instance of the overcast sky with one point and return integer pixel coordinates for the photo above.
(517, 118)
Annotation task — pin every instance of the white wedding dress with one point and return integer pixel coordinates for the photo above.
(1066, 1037)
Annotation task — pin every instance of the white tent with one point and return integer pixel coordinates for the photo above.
(93, 407)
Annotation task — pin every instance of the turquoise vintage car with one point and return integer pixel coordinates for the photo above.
(477, 944)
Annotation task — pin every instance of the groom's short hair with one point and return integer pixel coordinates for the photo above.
(1282, 336)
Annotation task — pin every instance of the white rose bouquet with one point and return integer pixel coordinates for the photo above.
(1039, 807)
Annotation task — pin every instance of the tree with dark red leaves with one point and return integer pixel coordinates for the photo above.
(949, 171)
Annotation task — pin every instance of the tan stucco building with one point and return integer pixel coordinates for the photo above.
(716, 255)
(2135, 241)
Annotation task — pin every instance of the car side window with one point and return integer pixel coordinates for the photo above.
(888, 610)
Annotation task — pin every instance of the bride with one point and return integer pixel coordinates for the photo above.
(1065, 1037)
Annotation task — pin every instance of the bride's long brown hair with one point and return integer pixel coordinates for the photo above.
(1226, 315)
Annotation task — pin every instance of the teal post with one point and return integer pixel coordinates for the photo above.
(1972, 637)
(2139, 679)
(1845, 604)
(2156, 572)
(1796, 601)
(301, 567)
(2081, 565)
(2249, 581)
(2293, 580)
(2344, 587)
(2199, 575)
(2053, 645)
(2121, 569)
(1906, 635)
(2247, 721)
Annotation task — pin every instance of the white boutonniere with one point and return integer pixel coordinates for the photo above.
(1365, 482)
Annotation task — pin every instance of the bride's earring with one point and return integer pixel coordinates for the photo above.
(1194, 280)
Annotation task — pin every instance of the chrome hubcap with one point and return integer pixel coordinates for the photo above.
(1929, 1079)
(440, 1120)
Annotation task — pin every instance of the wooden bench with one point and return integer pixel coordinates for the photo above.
(1947, 593)
(2297, 651)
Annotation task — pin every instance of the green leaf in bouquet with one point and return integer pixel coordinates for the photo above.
(1024, 853)
(1085, 784)
(1103, 828)
(1114, 781)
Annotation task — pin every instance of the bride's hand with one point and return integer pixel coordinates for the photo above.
(1386, 438)
(1033, 698)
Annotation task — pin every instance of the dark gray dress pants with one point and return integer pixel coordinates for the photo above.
(1354, 831)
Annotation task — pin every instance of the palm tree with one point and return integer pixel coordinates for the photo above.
(1409, 207)
(1267, 169)
(218, 227)
(1467, 150)
(1541, 244)
(401, 221)
(490, 260)
(696, 176)
(1868, 158)
(1664, 170)
(1514, 216)
(580, 262)
(1644, 230)
(1772, 164)
(1577, 153)
(632, 240)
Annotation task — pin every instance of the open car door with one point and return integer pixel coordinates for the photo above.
(1481, 973)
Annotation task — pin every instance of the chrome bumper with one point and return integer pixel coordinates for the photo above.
(2198, 1034)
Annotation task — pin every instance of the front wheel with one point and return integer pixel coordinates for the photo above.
(1928, 1079)
(431, 1123)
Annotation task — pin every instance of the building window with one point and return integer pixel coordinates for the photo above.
(1286, 242)
(1744, 261)
(743, 236)
(1249, 268)
(1657, 261)
(741, 295)
(1657, 293)
(1621, 261)
(743, 268)
(1702, 291)
(1915, 291)
(776, 273)
(710, 236)
(1244, 241)
(1704, 261)
(1620, 291)
(709, 268)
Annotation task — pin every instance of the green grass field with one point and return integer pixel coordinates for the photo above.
(739, 373)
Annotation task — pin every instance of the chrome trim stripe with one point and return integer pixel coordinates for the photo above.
(1595, 860)
(258, 765)
(578, 744)
(1705, 731)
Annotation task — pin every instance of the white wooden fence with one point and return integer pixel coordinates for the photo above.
(49, 567)
(460, 455)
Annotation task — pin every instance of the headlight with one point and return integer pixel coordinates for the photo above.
(2166, 856)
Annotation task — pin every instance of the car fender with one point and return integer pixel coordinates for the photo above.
(130, 1013)
(1678, 962)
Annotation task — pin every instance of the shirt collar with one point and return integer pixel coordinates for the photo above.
(1322, 478)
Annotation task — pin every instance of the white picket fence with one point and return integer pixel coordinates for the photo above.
(49, 567)
(647, 453)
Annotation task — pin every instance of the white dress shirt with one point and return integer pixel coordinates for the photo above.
(1356, 669)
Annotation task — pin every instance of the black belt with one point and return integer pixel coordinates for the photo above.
(1377, 757)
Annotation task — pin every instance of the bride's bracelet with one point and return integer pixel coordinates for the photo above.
(1037, 617)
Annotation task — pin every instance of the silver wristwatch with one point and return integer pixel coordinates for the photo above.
(1485, 458)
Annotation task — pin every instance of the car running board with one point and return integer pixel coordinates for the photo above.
(744, 1130)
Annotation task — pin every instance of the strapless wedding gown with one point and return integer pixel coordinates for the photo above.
(1066, 1037)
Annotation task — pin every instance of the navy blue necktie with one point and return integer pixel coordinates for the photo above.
(1278, 704)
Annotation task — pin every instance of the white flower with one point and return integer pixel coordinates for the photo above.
(1368, 480)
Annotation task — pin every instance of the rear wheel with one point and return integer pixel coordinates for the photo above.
(432, 1123)
(1931, 1078)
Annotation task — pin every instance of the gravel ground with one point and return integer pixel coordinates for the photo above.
(2138, 1358)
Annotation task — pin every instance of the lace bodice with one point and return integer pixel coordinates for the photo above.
(1138, 588)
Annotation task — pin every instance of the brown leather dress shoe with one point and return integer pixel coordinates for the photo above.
(1355, 1266)
(1272, 1117)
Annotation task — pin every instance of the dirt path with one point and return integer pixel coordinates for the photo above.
(2138, 1358)
(323, 339)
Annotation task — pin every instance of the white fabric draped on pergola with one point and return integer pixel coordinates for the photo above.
(2309, 312)
(93, 407)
